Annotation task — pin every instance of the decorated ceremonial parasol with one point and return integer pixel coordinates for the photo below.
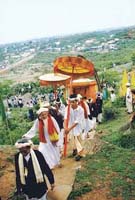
(74, 66)
(54, 80)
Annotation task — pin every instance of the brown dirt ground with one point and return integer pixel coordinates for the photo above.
(7, 176)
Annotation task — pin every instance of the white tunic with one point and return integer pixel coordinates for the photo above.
(75, 116)
(49, 150)
(113, 97)
(87, 122)
(129, 100)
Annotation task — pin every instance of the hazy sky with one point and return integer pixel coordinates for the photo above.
(27, 19)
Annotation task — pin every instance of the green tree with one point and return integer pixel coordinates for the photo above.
(4, 89)
(133, 58)
(2, 110)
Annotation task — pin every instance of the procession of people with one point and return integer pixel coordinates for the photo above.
(57, 124)
(55, 121)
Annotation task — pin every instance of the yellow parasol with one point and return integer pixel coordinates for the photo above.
(74, 66)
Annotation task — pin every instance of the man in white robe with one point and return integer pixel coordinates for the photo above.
(129, 99)
(49, 149)
(74, 116)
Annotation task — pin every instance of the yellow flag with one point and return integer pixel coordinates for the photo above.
(123, 88)
(132, 79)
(120, 91)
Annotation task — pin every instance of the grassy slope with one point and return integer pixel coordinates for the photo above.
(113, 167)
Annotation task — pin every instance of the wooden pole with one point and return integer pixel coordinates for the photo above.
(97, 80)
(66, 126)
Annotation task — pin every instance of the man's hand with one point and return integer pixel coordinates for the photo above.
(66, 130)
(18, 193)
(52, 186)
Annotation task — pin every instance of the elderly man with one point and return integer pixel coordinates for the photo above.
(129, 99)
(31, 169)
(49, 132)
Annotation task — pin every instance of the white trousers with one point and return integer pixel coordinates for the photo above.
(99, 117)
(129, 107)
(77, 143)
(42, 198)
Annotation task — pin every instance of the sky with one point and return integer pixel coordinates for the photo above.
(27, 19)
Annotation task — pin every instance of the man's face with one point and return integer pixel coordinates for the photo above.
(74, 104)
(58, 104)
(25, 150)
(43, 115)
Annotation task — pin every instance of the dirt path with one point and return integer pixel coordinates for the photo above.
(64, 179)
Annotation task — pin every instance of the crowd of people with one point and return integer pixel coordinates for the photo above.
(57, 123)
(75, 119)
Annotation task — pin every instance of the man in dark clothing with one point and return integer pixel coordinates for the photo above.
(99, 103)
(31, 114)
(31, 169)
(93, 109)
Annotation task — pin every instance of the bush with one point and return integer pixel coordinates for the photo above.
(110, 112)
(120, 102)
(18, 125)
(127, 141)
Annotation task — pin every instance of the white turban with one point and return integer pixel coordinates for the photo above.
(72, 97)
(24, 142)
(127, 84)
(45, 104)
(42, 110)
(79, 97)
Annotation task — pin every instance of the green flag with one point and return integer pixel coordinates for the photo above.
(2, 110)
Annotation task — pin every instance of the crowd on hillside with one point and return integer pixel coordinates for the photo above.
(57, 121)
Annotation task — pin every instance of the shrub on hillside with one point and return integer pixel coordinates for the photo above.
(120, 102)
(18, 125)
(127, 141)
(3, 134)
(109, 112)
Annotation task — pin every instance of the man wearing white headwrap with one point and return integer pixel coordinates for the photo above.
(74, 116)
(31, 168)
(46, 125)
(87, 126)
(129, 99)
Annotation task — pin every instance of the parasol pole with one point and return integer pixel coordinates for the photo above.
(71, 83)
(70, 90)
(68, 112)
(66, 126)
(65, 145)
(97, 80)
